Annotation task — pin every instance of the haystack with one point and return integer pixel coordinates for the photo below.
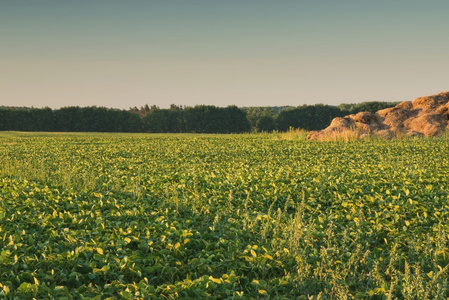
(426, 116)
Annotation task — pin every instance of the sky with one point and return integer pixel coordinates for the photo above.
(121, 54)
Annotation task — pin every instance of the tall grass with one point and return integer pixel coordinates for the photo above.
(291, 135)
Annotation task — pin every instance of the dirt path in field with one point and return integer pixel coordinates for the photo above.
(424, 116)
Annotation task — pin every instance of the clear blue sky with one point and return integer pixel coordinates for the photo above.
(245, 52)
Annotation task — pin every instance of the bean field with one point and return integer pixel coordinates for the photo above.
(140, 216)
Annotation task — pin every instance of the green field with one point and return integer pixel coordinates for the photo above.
(126, 216)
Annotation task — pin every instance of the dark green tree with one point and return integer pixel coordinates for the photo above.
(372, 106)
(308, 117)
(266, 123)
(236, 120)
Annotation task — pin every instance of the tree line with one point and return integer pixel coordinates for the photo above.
(198, 119)
(308, 117)
(69, 119)
(179, 119)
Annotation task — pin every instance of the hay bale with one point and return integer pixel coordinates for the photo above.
(385, 133)
(425, 103)
(443, 110)
(414, 133)
(431, 103)
(396, 117)
(405, 105)
(384, 112)
(428, 124)
(364, 128)
(367, 118)
(345, 122)
(428, 116)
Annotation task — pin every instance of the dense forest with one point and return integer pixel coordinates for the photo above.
(179, 119)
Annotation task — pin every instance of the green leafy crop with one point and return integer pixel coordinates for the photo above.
(135, 216)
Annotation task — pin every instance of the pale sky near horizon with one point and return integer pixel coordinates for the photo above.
(122, 54)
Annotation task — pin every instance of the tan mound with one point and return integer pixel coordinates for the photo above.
(427, 116)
